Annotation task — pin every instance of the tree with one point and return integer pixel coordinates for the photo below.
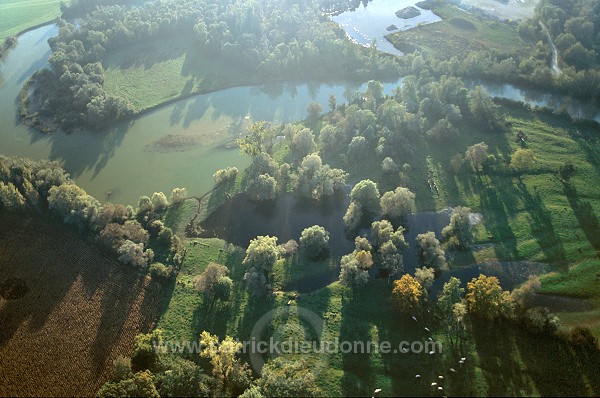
(182, 379)
(351, 273)
(263, 188)
(483, 109)
(476, 154)
(261, 256)
(425, 276)
(459, 233)
(316, 180)
(486, 299)
(314, 241)
(314, 110)
(430, 251)
(450, 295)
(366, 194)
(398, 203)
(332, 102)
(73, 204)
(225, 365)
(303, 143)
(392, 261)
(456, 163)
(145, 356)
(207, 281)
(165, 237)
(353, 216)
(140, 385)
(254, 143)
(159, 201)
(178, 195)
(407, 294)
(222, 289)
(288, 378)
(134, 254)
(358, 149)
(522, 160)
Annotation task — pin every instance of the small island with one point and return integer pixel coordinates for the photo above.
(408, 13)
(391, 28)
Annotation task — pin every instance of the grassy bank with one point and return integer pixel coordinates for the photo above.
(502, 359)
(19, 15)
(148, 74)
(457, 34)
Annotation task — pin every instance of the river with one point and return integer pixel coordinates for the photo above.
(125, 160)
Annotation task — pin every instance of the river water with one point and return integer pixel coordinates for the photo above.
(126, 161)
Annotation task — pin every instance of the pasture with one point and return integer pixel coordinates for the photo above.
(19, 15)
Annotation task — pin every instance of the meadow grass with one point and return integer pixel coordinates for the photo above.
(457, 34)
(534, 217)
(151, 73)
(19, 15)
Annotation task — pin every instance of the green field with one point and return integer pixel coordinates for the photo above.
(19, 15)
(536, 217)
(501, 359)
(152, 73)
(457, 34)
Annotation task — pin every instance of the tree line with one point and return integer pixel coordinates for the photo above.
(137, 237)
(278, 40)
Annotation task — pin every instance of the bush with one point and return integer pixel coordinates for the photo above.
(134, 254)
(223, 175)
(160, 271)
(178, 195)
(314, 241)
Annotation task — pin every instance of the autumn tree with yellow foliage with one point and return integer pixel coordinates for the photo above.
(486, 299)
(407, 294)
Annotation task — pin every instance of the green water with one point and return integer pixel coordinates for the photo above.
(125, 161)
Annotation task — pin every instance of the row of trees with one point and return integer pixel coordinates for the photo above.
(269, 37)
(573, 26)
(132, 235)
(151, 372)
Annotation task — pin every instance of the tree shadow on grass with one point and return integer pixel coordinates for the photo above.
(585, 215)
(542, 227)
(496, 223)
(557, 368)
(499, 359)
(359, 376)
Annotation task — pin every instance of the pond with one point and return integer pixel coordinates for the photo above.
(138, 157)
(371, 21)
(240, 219)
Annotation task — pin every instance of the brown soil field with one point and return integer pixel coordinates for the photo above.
(66, 311)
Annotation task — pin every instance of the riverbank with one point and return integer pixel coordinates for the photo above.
(458, 34)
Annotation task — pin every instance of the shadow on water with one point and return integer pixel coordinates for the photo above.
(240, 219)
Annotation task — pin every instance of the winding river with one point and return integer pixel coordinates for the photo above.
(126, 160)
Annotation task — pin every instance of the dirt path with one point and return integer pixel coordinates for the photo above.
(555, 69)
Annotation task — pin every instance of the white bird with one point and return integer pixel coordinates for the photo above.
(414, 319)
(433, 384)
(427, 329)
(441, 377)
(417, 376)
(452, 370)
(461, 362)
(440, 388)
(430, 339)
(431, 352)
(377, 391)
(463, 359)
